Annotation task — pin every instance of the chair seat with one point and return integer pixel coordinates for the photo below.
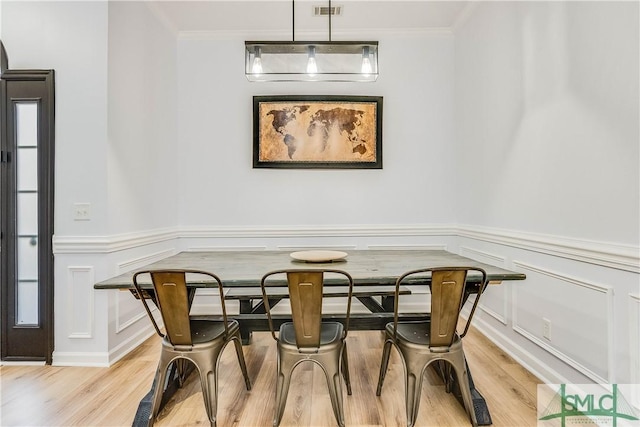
(206, 330)
(330, 332)
(414, 332)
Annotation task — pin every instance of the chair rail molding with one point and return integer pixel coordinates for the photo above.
(614, 255)
(618, 256)
(118, 242)
(349, 230)
(113, 243)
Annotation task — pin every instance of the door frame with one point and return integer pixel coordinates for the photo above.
(46, 175)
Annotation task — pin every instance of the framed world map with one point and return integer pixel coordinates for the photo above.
(317, 131)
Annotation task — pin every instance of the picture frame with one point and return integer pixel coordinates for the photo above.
(317, 132)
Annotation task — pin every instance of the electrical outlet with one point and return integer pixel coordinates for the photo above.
(81, 211)
(546, 329)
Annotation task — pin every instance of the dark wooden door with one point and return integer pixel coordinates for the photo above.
(26, 217)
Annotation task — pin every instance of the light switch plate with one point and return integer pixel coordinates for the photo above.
(81, 211)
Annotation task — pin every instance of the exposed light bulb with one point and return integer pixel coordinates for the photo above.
(366, 68)
(312, 67)
(256, 67)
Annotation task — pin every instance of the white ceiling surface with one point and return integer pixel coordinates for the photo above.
(276, 15)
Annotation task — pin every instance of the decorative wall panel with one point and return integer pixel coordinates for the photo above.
(495, 299)
(128, 310)
(578, 314)
(80, 305)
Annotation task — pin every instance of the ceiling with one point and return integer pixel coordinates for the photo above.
(276, 15)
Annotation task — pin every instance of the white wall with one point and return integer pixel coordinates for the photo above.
(547, 101)
(220, 188)
(143, 104)
(71, 38)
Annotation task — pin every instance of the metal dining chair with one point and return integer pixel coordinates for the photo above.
(307, 338)
(421, 343)
(200, 342)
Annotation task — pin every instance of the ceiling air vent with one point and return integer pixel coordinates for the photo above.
(324, 10)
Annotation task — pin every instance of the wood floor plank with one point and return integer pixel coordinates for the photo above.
(76, 396)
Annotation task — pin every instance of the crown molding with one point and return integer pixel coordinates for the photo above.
(280, 35)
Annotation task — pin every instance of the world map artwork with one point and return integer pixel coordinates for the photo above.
(317, 131)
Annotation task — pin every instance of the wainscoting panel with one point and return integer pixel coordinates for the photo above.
(224, 248)
(80, 306)
(294, 248)
(579, 315)
(582, 332)
(495, 299)
(131, 264)
(434, 247)
(128, 310)
(207, 301)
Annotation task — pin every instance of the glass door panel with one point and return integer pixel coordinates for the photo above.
(27, 307)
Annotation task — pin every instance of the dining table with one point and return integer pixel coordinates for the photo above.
(374, 274)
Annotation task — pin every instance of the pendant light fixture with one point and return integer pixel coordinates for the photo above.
(349, 61)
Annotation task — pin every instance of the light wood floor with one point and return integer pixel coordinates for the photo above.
(75, 396)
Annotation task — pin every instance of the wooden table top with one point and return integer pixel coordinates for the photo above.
(246, 268)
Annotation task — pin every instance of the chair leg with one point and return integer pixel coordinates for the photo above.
(345, 368)
(283, 380)
(331, 367)
(158, 384)
(182, 368)
(384, 364)
(209, 384)
(414, 369)
(237, 341)
(460, 369)
(445, 371)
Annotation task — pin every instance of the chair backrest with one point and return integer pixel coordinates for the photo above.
(448, 293)
(305, 294)
(171, 296)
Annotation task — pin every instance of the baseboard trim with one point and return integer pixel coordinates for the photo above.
(129, 345)
(536, 367)
(98, 359)
(102, 359)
